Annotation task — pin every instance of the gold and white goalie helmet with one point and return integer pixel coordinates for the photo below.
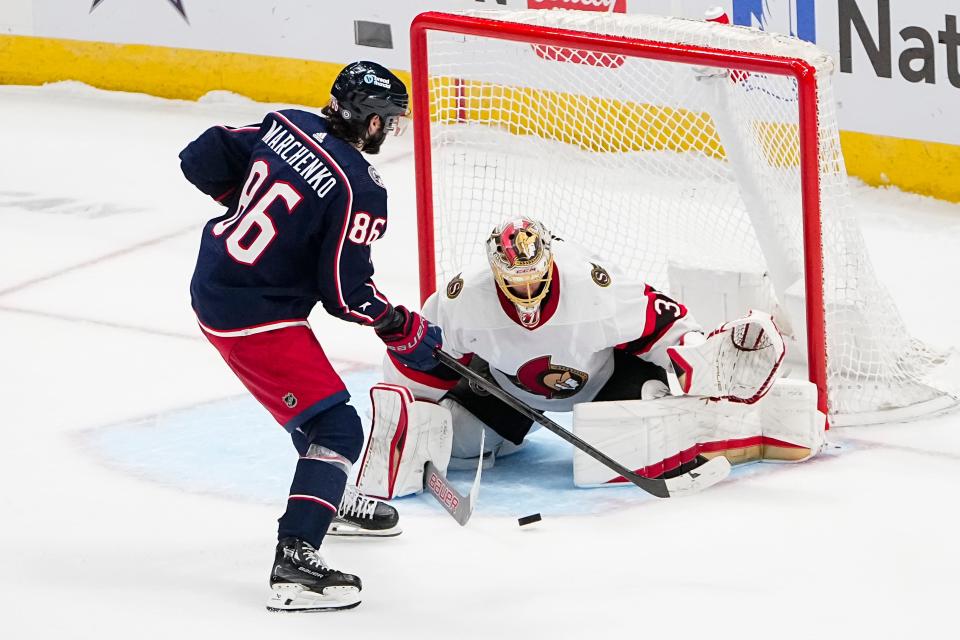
(522, 264)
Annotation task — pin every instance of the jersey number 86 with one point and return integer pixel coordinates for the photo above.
(248, 250)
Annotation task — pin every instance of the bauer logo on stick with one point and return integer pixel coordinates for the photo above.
(445, 496)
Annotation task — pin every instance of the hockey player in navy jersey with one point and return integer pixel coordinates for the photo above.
(303, 207)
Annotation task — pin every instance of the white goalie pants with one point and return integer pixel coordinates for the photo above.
(466, 439)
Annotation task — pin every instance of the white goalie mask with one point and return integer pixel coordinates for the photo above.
(522, 264)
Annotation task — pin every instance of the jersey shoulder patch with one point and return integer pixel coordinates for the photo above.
(599, 275)
(455, 286)
(469, 300)
(377, 180)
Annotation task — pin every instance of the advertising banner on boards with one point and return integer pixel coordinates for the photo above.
(898, 72)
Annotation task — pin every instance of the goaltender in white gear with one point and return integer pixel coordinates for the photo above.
(562, 331)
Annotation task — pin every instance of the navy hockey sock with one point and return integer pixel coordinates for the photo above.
(338, 429)
(328, 444)
(314, 498)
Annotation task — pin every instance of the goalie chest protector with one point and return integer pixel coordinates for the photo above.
(568, 357)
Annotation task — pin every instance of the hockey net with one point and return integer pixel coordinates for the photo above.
(690, 154)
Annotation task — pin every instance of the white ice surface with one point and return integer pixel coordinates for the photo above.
(99, 235)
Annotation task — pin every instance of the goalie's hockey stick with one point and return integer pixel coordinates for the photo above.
(704, 476)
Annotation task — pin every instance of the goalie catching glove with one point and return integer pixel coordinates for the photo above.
(738, 362)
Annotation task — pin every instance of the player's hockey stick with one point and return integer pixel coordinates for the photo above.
(704, 476)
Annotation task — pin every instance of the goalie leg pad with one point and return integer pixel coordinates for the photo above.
(404, 435)
(794, 429)
(655, 436)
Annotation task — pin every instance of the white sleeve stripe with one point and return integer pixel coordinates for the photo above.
(346, 220)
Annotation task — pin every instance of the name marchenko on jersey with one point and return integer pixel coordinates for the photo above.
(303, 161)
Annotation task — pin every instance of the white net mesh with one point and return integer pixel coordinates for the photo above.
(651, 163)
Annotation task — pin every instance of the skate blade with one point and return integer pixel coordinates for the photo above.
(346, 529)
(295, 598)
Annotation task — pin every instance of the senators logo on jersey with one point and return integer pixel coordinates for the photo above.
(599, 275)
(543, 378)
(454, 287)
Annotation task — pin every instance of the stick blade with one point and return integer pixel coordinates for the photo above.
(458, 506)
(706, 475)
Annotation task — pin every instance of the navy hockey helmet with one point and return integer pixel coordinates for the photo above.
(365, 88)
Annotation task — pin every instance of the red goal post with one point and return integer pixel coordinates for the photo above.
(535, 31)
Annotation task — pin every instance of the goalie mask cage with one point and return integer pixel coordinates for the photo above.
(672, 149)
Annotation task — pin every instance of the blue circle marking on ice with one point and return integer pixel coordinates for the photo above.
(233, 448)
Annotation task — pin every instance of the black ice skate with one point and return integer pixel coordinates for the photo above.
(360, 515)
(301, 581)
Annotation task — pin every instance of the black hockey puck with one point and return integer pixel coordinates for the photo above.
(535, 517)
